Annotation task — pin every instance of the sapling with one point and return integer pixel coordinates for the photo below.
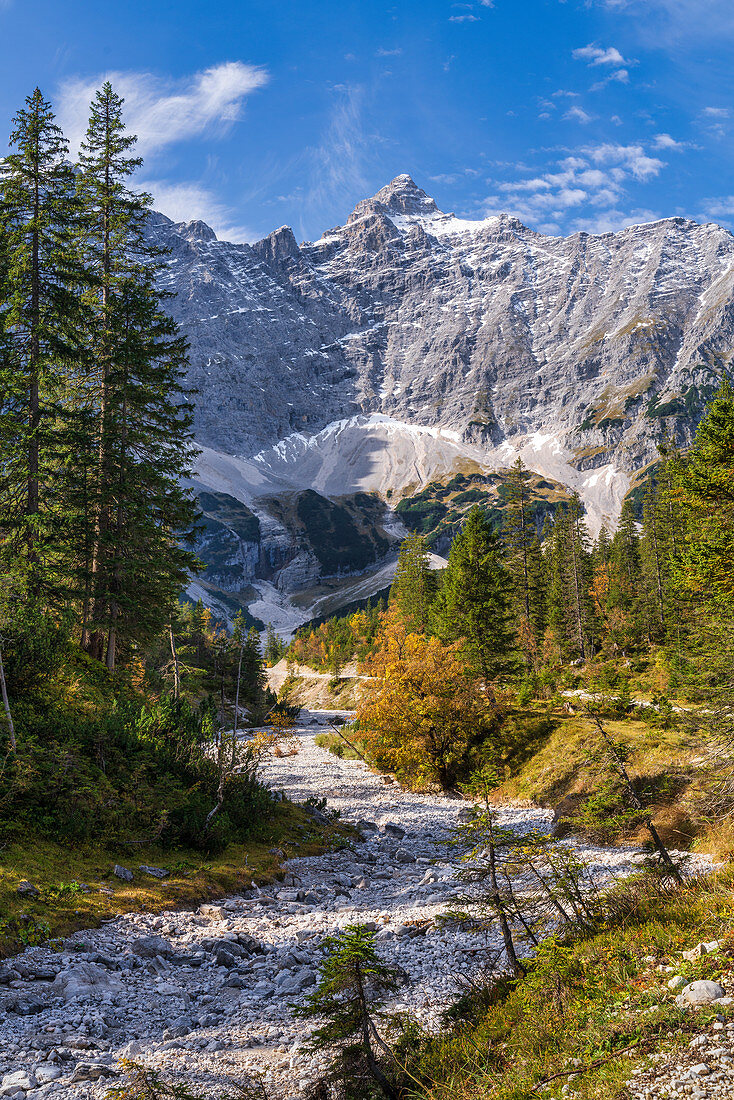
(352, 988)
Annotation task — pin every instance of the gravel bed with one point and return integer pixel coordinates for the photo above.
(208, 996)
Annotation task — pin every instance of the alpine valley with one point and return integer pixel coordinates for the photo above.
(384, 376)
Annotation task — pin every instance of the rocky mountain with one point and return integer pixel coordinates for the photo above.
(410, 345)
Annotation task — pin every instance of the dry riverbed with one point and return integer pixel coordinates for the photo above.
(207, 996)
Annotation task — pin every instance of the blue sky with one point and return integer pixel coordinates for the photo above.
(571, 114)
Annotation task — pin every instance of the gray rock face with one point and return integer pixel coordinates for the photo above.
(485, 328)
(407, 342)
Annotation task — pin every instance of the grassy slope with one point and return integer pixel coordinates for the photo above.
(584, 1003)
(57, 871)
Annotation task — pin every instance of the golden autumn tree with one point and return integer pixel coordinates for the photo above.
(424, 716)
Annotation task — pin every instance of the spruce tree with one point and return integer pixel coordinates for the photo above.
(474, 604)
(42, 327)
(524, 563)
(414, 587)
(140, 512)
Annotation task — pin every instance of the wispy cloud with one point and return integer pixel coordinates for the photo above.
(383, 52)
(160, 111)
(716, 112)
(338, 165)
(184, 202)
(578, 114)
(468, 18)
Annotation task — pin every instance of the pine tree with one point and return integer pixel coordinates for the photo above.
(141, 513)
(474, 603)
(570, 605)
(42, 326)
(524, 563)
(414, 587)
(115, 248)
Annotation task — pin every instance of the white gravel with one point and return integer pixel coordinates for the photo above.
(180, 1015)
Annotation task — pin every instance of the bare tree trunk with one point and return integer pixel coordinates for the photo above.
(6, 705)
(622, 770)
(176, 672)
(518, 970)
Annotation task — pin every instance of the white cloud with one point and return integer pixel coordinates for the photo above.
(383, 52)
(185, 202)
(722, 207)
(665, 141)
(611, 221)
(584, 190)
(596, 55)
(627, 158)
(578, 114)
(716, 112)
(162, 112)
(464, 18)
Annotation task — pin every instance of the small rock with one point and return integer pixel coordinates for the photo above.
(212, 912)
(701, 1070)
(156, 872)
(20, 1079)
(696, 952)
(122, 873)
(149, 947)
(393, 830)
(676, 983)
(28, 889)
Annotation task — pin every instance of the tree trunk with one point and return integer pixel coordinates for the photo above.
(619, 765)
(176, 673)
(6, 705)
(518, 970)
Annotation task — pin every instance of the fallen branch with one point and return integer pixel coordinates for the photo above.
(592, 1065)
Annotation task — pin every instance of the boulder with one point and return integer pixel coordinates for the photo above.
(391, 829)
(122, 873)
(676, 983)
(20, 1079)
(148, 947)
(212, 912)
(699, 993)
(84, 979)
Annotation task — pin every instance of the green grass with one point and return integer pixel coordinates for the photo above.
(559, 761)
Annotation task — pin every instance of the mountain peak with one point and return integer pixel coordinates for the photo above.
(403, 196)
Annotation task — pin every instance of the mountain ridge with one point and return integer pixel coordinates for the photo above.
(408, 341)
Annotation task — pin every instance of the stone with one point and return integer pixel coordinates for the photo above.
(122, 873)
(20, 1079)
(91, 1071)
(46, 1073)
(28, 889)
(212, 912)
(155, 872)
(696, 952)
(149, 947)
(84, 979)
(391, 829)
(676, 983)
(699, 993)
(404, 856)
(701, 1070)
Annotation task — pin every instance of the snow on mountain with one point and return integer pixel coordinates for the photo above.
(408, 342)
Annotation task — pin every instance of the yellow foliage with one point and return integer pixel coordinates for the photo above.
(423, 716)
